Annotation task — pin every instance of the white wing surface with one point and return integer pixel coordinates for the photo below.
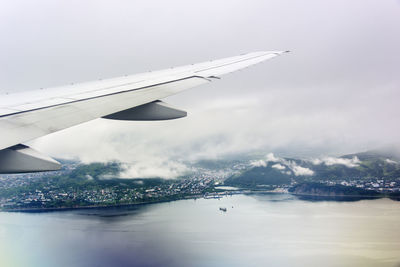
(28, 115)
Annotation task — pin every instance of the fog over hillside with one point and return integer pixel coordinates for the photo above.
(336, 92)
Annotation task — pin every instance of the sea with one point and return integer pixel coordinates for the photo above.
(255, 230)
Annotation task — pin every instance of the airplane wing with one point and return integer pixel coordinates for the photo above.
(31, 114)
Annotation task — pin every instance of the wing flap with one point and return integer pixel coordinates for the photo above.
(22, 127)
(21, 158)
(153, 111)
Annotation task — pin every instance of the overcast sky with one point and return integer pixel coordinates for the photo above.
(337, 92)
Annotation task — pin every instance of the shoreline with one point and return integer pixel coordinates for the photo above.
(244, 192)
(39, 210)
(339, 196)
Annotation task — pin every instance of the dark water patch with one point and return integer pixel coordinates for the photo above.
(334, 198)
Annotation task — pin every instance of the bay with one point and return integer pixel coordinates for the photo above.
(255, 230)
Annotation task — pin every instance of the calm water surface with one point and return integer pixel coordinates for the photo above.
(256, 230)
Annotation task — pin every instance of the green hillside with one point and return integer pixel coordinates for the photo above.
(366, 165)
(259, 176)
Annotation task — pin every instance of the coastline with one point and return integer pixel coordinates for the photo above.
(302, 196)
(39, 210)
(337, 196)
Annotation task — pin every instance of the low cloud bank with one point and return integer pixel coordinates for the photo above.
(155, 169)
(278, 166)
(214, 129)
(328, 161)
(283, 164)
(391, 161)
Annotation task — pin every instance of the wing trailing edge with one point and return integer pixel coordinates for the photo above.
(25, 116)
(153, 111)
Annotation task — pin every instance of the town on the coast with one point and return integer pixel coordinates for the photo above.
(98, 185)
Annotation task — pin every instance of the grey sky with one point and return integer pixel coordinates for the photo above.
(337, 92)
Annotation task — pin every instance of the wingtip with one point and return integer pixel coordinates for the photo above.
(284, 52)
(279, 52)
(266, 52)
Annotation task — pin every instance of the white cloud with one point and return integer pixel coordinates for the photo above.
(316, 161)
(272, 158)
(326, 96)
(264, 162)
(281, 165)
(259, 163)
(301, 171)
(278, 166)
(391, 161)
(351, 163)
(162, 169)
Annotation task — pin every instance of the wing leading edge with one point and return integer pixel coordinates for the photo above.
(29, 115)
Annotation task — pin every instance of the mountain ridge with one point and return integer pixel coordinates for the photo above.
(278, 171)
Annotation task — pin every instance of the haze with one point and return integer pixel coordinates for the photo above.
(337, 92)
